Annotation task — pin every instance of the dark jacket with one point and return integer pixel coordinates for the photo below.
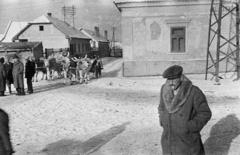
(5, 142)
(182, 117)
(8, 68)
(93, 66)
(2, 77)
(30, 69)
(18, 70)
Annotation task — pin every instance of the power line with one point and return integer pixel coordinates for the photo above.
(69, 11)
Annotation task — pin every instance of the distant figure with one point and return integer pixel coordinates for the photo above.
(93, 68)
(99, 67)
(18, 70)
(183, 112)
(29, 73)
(9, 77)
(2, 77)
(5, 142)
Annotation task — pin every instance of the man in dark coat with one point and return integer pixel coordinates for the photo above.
(9, 77)
(183, 112)
(29, 73)
(5, 142)
(99, 67)
(18, 69)
(2, 77)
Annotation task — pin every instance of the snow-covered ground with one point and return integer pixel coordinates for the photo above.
(113, 115)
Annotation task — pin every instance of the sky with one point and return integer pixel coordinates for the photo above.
(89, 13)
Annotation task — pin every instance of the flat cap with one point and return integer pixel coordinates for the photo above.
(173, 72)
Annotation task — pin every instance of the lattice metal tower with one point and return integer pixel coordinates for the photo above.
(222, 47)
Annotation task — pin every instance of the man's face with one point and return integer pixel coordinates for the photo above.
(174, 83)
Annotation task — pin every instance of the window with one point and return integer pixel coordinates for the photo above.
(41, 28)
(178, 39)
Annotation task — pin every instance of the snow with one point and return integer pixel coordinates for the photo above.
(112, 115)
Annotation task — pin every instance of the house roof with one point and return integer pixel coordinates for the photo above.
(67, 29)
(93, 35)
(62, 26)
(123, 1)
(120, 4)
(126, 1)
(13, 28)
(10, 46)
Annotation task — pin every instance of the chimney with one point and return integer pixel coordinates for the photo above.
(97, 31)
(106, 34)
(49, 14)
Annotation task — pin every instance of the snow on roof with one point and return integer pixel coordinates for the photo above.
(41, 19)
(62, 26)
(13, 29)
(66, 28)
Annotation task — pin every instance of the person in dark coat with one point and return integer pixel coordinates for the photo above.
(18, 70)
(99, 67)
(93, 66)
(29, 73)
(5, 142)
(183, 112)
(2, 77)
(9, 77)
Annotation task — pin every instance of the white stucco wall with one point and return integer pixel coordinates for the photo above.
(146, 56)
(51, 37)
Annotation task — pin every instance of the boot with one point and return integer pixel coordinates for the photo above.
(22, 92)
(1, 93)
(18, 91)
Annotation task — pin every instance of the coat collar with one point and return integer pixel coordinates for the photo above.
(173, 103)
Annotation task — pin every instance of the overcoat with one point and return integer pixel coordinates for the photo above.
(18, 70)
(182, 117)
(30, 69)
(8, 69)
(5, 142)
(2, 78)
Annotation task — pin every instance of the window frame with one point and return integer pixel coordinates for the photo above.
(41, 27)
(171, 40)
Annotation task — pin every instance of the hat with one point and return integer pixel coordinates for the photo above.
(173, 72)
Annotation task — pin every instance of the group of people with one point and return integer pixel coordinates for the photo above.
(183, 110)
(13, 73)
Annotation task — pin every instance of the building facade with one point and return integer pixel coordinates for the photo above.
(99, 43)
(160, 33)
(55, 35)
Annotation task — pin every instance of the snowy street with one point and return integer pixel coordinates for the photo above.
(113, 115)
